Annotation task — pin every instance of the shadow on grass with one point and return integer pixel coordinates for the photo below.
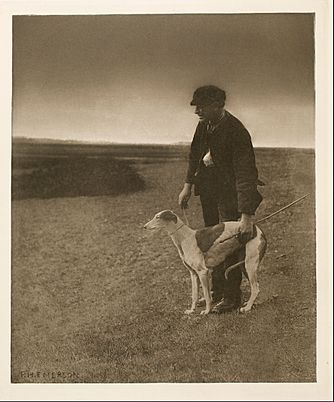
(75, 177)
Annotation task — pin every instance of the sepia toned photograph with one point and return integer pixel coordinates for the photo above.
(163, 198)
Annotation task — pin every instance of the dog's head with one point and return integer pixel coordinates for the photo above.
(163, 220)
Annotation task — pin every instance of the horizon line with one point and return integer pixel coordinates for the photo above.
(106, 142)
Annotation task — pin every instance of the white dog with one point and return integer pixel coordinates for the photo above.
(202, 250)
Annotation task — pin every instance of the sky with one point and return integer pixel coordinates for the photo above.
(130, 78)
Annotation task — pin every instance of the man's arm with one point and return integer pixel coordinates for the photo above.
(193, 160)
(246, 176)
(194, 155)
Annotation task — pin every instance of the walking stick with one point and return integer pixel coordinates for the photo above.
(229, 269)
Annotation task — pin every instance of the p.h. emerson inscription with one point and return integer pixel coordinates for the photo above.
(48, 375)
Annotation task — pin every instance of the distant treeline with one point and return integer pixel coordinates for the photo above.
(73, 177)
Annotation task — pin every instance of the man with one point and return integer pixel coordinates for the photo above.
(223, 172)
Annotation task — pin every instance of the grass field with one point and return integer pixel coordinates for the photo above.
(95, 298)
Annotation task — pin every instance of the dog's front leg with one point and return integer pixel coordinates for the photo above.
(204, 277)
(194, 292)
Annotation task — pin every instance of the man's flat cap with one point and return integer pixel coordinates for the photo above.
(208, 94)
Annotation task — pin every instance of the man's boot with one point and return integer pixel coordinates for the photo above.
(217, 278)
(232, 293)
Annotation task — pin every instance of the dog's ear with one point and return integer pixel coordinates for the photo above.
(168, 216)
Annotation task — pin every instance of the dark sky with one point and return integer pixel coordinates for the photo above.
(130, 78)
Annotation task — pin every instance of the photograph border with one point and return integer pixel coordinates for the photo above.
(321, 390)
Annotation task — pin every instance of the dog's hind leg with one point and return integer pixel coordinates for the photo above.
(254, 285)
(252, 263)
(194, 292)
(255, 250)
(204, 277)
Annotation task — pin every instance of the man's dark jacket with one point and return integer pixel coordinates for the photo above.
(234, 178)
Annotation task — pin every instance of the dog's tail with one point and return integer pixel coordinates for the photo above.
(229, 269)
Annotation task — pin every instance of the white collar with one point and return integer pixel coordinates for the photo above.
(212, 126)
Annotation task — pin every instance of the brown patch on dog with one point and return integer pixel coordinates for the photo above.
(221, 251)
(207, 236)
(168, 216)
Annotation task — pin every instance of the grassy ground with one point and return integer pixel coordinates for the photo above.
(97, 299)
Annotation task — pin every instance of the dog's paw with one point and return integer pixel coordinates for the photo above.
(201, 302)
(189, 311)
(244, 309)
(205, 312)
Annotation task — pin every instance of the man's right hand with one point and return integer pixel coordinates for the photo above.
(185, 195)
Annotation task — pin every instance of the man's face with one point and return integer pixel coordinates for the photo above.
(208, 112)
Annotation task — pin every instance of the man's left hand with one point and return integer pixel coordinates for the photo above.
(246, 228)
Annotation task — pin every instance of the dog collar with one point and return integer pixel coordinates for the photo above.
(170, 234)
